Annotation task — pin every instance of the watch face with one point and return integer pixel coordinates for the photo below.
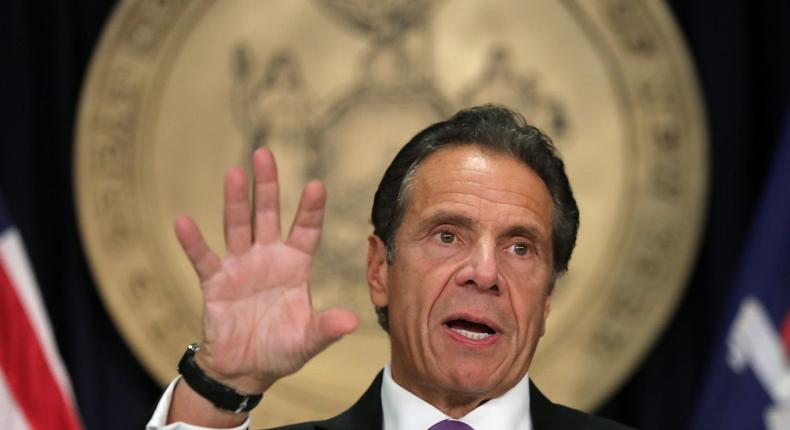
(179, 91)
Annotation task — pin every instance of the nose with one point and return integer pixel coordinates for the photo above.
(480, 268)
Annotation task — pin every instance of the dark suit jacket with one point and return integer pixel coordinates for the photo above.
(366, 414)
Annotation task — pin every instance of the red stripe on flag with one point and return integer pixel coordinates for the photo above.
(786, 335)
(26, 369)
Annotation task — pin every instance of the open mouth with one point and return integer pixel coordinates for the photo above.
(470, 329)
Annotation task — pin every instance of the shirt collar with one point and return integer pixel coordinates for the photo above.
(404, 411)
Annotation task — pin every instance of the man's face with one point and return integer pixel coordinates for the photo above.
(468, 288)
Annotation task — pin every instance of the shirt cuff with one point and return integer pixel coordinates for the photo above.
(159, 420)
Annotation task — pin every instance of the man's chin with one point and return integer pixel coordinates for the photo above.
(471, 380)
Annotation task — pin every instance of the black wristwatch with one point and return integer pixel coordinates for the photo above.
(219, 394)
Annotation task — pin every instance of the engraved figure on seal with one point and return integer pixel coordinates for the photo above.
(276, 110)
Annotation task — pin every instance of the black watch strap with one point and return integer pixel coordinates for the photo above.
(219, 394)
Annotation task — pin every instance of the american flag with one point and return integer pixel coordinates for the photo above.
(35, 392)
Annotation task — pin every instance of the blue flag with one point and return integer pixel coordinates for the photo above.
(748, 382)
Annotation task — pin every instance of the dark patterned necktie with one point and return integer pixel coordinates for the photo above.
(450, 425)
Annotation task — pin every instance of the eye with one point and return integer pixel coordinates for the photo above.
(446, 237)
(520, 248)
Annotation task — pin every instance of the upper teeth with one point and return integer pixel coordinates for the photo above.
(470, 334)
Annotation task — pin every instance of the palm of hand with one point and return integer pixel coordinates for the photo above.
(258, 323)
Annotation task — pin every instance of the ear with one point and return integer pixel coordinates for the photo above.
(546, 310)
(377, 271)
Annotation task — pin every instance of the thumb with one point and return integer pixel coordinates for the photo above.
(328, 326)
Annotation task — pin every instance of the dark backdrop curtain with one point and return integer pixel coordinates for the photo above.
(741, 52)
(47, 46)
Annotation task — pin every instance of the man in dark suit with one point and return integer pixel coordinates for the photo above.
(474, 220)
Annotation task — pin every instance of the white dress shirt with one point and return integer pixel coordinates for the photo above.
(403, 410)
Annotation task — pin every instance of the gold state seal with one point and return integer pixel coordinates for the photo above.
(178, 91)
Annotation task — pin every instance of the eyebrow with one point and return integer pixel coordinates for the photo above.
(444, 217)
(527, 231)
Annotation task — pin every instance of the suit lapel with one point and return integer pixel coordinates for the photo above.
(542, 410)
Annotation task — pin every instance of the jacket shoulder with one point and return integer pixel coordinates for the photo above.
(312, 425)
(569, 418)
(547, 415)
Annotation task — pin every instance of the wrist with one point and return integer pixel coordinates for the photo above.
(229, 398)
(188, 406)
(242, 383)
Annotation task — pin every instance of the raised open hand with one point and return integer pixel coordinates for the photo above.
(258, 323)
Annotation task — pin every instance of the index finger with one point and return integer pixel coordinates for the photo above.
(204, 260)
